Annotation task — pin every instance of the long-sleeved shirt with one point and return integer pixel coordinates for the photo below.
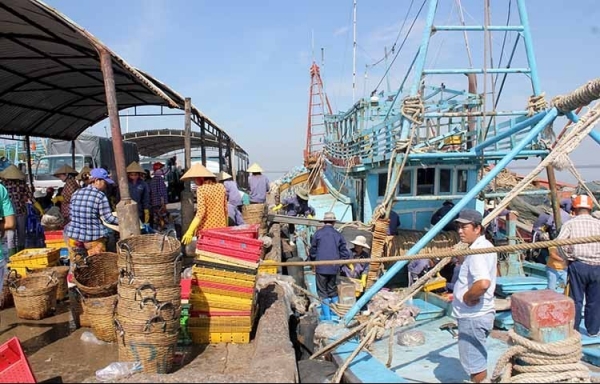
(234, 197)
(6, 209)
(328, 244)
(19, 194)
(235, 214)
(259, 185)
(158, 191)
(580, 226)
(294, 207)
(211, 205)
(357, 269)
(140, 193)
(87, 206)
(394, 224)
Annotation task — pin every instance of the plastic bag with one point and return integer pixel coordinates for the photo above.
(411, 338)
(187, 273)
(118, 370)
(89, 337)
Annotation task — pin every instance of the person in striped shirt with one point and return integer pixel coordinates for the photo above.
(88, 206)
(584, 264)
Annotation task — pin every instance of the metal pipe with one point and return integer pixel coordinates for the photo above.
(203, 139)
(574, 118)
(455, 197)
(535, 81)
(462, 71)
(517, 28)
(29, 171)
(485, 181)
(474, 113)
(517, 127)
(467, 155)
(187, 138)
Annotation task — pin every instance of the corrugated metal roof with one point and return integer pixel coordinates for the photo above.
(51, 83)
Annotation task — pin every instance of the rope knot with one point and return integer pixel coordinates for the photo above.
(536, 104)
(413, 109)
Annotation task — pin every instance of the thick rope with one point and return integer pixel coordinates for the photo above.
(580, 97)
(530, 361)
(448, 253)
(536, 104)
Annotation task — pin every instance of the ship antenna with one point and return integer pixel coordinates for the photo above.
(354, 51)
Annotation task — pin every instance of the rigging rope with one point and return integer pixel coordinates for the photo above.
(582, 96)
(529, 361)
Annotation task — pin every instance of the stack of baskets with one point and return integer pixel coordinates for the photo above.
(223, 290)
(256, 214)
(96, 278)
(149, 300)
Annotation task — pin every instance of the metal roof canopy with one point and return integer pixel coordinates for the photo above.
(157, 142)
(51, 83)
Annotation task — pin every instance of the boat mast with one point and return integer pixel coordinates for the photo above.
(354, 51)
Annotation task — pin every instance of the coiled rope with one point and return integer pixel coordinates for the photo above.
(536, 104)
(530, 361)
(582, 96)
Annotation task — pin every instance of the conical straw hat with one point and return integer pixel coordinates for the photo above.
(197, 170)
(222, 176)
(134, 167)
(83, 171)
(12, 173)
(254, 168)
(66, 170)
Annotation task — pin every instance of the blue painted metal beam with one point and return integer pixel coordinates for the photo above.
(466, 114)
(462, 71)
(472, 193)
(574, 118)
(517, 127)
(517, 28)
(466, 155)
(535, 81)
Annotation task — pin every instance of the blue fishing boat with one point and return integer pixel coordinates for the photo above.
(409, 151)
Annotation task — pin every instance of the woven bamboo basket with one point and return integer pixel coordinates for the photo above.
(149, 307)
(125, 263)
(140, 292)
(7, 298)
(101, 312)
(154, 351)
(38, 299)
(152, 324)
(150, 249)
(60, 273)
(170, 278)
(97, 275)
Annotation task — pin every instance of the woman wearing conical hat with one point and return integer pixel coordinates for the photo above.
(67, 175)
(258, 183)
(139, 191)
(211, 198)
(234, 198)
(19, 194)
(84, 176)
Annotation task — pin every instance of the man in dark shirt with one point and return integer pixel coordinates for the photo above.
(437, 216)
(394, 224)
(328, 244)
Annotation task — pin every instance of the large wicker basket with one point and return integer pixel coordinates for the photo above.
(60, 272)
(150, 249)
(34, 296)
(101, 311)
(145, 291)
(155, 350)
(97, 275)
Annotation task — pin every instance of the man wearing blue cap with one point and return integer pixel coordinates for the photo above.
(473, 303)
(88, 206)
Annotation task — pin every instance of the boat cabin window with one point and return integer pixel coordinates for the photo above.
(425, 181)
(445, 181)
(461, 180)
(404, 187)
(382, 182)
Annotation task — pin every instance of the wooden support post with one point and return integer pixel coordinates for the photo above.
(553, 198)
(203, 139)
(220, 144)
(187, 201)
(127, 209)
(29, 171)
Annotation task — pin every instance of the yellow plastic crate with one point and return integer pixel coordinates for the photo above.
(35, 258)
(206, 301)
(222, 324)
(225, 280)
(203, 336)
(58, 243)
(22, 271)
(223, 273)
(267, 269)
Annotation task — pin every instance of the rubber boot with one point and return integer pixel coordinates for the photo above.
(335, 300)
(325, 310)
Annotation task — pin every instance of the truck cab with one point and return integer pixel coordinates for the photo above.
(43, 174)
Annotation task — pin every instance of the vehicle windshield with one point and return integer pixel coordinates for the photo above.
(48, 165)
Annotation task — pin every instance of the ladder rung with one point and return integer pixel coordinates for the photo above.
(517, 28)
(474, 70)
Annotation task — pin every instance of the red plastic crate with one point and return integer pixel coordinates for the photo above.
(242, 255)
(14, 367)
(186, 288)
(226, 289)
(229, 241)
(246, 230)
(53, 235)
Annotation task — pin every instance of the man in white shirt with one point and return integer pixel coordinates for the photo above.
(473, 303)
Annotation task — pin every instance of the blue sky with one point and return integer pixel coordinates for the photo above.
(245, 64)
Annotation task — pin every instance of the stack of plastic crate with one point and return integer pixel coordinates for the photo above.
(33, 258)
(223, 289)
(55, 239)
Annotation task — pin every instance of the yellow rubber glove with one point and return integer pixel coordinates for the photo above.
(351, 267)
(187, 238)
(277, 207)
(57, 199)
(39, 208)
(363, 280)
(309, 216)
(146, 216)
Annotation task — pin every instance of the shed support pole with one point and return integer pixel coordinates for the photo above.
(203, 139)
(187, 202)
(127, 209)
(220, 144)
(29, 171)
